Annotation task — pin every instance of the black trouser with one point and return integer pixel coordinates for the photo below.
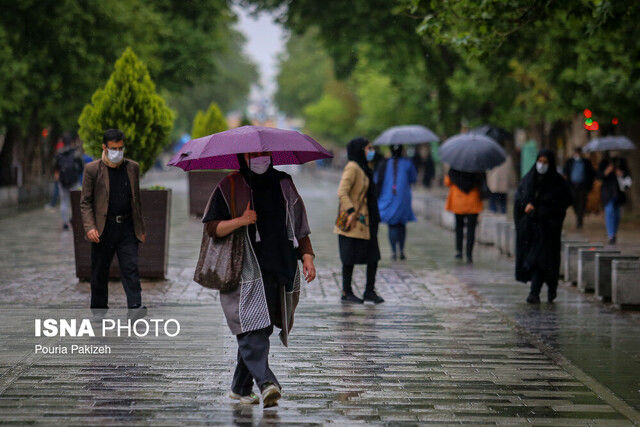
(471, 221)
(253, 361)
(538, 278)
(580, 194)
(120, 239)
(347, 274)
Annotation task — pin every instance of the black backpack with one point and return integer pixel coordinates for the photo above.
(70, 168)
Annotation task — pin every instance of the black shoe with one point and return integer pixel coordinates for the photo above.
(551, 295)
(351, 299)
(402, 256)
(612, 241)
(136, 313)
(65, 226)
(394, 257)
(533, 299)
(373, 297)
(458, 255)
(469, 259)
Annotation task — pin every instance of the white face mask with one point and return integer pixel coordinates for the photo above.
(542, 168)
(260, 164)
(115, 156)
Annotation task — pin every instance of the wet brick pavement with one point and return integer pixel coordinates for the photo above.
(452, 344)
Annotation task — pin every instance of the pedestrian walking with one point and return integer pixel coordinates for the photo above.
(358, 219)
(580, 175)
(393, 179)
(541, 202)
(68, 168)
(112, 219)
(429, 169)
(500, 180)
(465, 201)
(261, 208)
(614, 173)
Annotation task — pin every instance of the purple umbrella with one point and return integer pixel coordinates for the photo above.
(218, 151)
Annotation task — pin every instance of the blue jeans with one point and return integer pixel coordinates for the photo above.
(498, 202)
(612, 218)
(397, 236)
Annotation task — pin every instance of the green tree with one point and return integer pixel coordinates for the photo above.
(129, 102)
(304, 68)
(334, 115)
(211, 121)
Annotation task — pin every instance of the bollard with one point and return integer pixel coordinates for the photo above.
(487, 228)
(501, 235)
(511, 244)
(625, 285)
(564, 257)
(586, 267)
(571, 259)
(603, 274)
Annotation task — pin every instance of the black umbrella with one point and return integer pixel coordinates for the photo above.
(501, 136)
(472, 152)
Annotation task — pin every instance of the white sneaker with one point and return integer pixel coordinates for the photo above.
(270, 396)
(250, 399)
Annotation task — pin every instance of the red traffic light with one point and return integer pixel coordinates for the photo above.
(615, 121)
(45, 132)
(587, 113)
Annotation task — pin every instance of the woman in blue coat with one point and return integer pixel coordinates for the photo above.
(394, 177)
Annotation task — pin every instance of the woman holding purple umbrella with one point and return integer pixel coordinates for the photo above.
(263, 204)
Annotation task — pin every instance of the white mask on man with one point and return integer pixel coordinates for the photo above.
(115, 156)
(260, 164)
(542, 168)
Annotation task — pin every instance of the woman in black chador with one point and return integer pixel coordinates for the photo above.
(541, 202)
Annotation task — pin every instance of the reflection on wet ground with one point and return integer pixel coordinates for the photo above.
(452, 344)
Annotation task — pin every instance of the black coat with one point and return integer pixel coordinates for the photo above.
(538, 233)
(589, 172)
(610, 188)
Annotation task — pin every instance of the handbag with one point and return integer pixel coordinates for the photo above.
(221, 258)
(343, 217)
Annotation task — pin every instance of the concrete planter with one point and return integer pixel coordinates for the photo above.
(625, 285)
(564, 259)
(603, 274)
(153, 254)
(487, 228)
(201, 184)
(587, 269)
(570, 259)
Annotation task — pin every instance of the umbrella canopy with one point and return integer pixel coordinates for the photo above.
(497, 134)
(409, 134)
(609, 143)
(219, 151)
(472, 152)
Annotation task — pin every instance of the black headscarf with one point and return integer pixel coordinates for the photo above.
(465, 181)
(274, 251)
(534, 183)
(355, 153)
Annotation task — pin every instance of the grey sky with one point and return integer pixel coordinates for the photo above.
(265, 39)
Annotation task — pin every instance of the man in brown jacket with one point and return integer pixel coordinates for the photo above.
(112, 220)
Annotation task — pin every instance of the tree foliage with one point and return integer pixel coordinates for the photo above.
(55, 54)
(304, 68)
(130, 103)
(209, 122)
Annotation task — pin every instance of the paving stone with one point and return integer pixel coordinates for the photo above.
(435, 352)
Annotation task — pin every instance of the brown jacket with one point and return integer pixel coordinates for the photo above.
(94, 201)
(352, 193)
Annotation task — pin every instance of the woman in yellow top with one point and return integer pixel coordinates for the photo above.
(359, 242)
(465, 201)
